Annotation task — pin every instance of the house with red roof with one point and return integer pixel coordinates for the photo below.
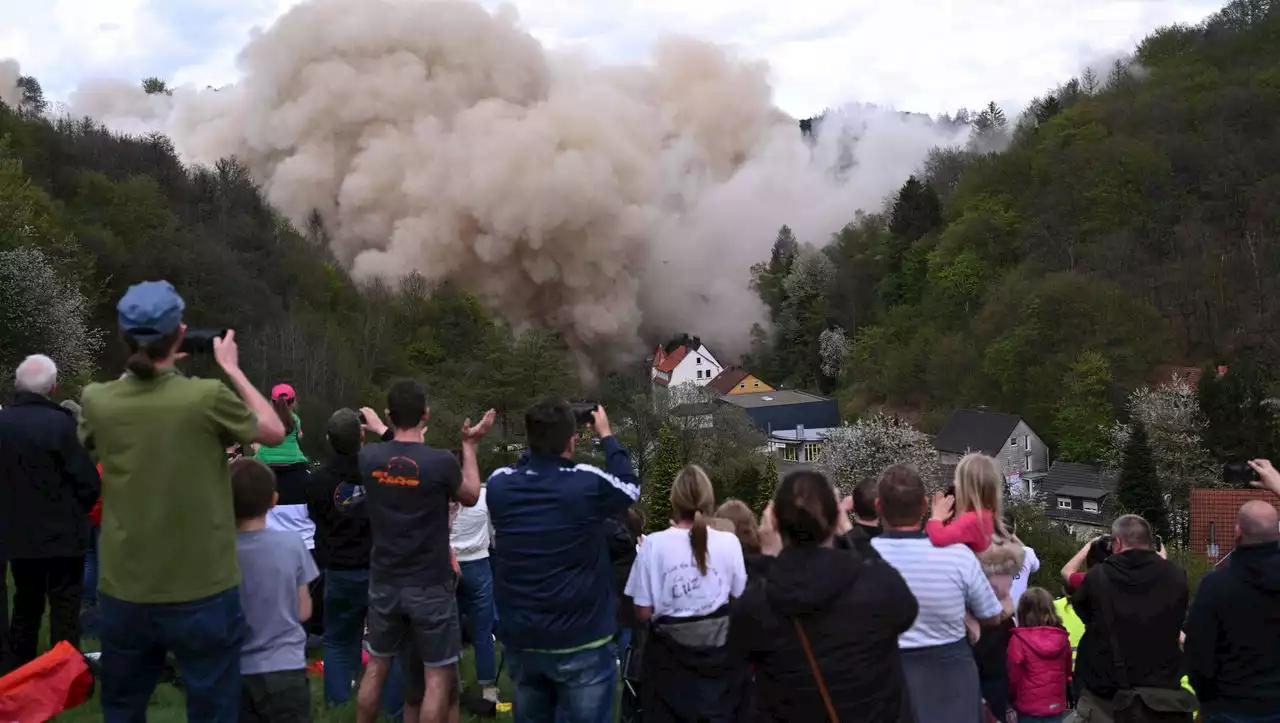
(684, 360)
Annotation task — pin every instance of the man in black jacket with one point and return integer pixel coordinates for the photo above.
(1233, 632)
(48, 484)
(1147, 597)
(343, 542)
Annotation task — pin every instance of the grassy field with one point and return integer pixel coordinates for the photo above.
(168, 705)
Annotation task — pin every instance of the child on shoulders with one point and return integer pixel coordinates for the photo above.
(275, 569)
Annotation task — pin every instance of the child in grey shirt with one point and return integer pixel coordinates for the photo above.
(275, 570)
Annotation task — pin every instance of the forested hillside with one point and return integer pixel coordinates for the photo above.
(1132, 221)
(86, 212)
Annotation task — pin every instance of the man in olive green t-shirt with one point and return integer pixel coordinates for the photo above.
(168, 576)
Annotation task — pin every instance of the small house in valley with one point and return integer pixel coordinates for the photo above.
(1004, 436)
(684, 360)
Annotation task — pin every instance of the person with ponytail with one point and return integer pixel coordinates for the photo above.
(293, 479)
(682, 582)
(168, 567)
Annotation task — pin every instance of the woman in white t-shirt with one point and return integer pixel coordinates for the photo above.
(682, 581)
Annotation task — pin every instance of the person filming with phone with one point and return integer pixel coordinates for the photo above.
(553, 580)
(169, 578)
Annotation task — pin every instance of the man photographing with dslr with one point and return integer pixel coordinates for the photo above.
(1132, 604)
(553, 581)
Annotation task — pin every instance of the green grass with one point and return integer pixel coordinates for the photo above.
(168, 705)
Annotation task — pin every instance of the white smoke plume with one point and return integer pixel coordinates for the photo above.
(614, 204)
(10, 72)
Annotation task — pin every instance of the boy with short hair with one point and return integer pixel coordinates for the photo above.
(275, 569)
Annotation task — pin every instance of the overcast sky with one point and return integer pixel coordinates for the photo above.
(917, 55)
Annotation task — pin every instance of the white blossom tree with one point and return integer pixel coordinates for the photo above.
(855, 452)
(1176, 427)
(833, 346)
(44, 313)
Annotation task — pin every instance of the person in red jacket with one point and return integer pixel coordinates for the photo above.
(1039, 660)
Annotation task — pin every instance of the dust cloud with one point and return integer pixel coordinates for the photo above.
(616, 204)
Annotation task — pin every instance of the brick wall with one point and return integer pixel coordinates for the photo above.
(1213, 519)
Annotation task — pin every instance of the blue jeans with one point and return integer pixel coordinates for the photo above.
(475, 599)
(346, 603)
(205, 638)
(564, 687)
(89, 598)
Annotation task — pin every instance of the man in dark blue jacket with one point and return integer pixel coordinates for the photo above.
(553, 580)
(48, 484)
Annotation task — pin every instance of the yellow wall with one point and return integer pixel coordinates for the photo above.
(750, 385)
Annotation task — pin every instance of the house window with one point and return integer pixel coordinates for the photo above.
(755, 384)
(811, 451)
(1027, 463)
(1013, 442)
(1091, 506)
(699, 360)
(1028, 442)
(1213, 540)
(789, 452)
(1064, 503)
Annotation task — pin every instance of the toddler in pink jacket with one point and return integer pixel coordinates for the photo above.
(1039, 660)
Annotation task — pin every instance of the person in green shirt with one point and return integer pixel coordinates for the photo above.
(168, 573)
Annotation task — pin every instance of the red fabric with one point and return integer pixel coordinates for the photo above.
(52, 683)
(1039, 667)
(968, 529)
(95, 514)
(1074, 581)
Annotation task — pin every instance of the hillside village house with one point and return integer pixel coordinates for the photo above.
(1077, 497)
(735, 380)
(1006, 437)
(684, 360)
(1213, 520)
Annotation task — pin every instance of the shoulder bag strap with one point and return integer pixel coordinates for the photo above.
(817, 673)
(1106, 603)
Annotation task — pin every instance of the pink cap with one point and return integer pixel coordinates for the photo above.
(283, 391)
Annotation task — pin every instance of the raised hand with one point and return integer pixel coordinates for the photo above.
(942, 506)
(226, 352)
(472, 434)
(1268, 477)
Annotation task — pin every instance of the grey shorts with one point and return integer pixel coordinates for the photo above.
(426, 616)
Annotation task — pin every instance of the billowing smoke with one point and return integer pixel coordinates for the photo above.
(10, 93)
(615, 204)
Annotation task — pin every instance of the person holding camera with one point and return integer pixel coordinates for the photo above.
(1233, 630)
(553, 579)
(168, 573)
(1132, 606)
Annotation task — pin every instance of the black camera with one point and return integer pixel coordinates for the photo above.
(950, 491)
(1239, 473)
(1099, 551)
(364, 418)
(200, 341)
(583, 411)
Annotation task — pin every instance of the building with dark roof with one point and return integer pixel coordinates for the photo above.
(1077, 496)
(1213, 519)
(684, 360)
(1004, 436)
(787, 409)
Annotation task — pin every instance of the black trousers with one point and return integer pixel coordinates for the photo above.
(5, 663)
(56, 580)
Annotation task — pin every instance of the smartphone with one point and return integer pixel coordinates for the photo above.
(200, 341)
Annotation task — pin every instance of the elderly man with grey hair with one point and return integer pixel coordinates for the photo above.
(1233, 631)
(1132, 605)
(48, 484)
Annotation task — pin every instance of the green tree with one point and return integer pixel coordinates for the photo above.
(767, 278)
(1138, 488)
(768, 485)
(1084, 412)
(915, 212)
(1242, 422)
(666, 465)
(154, 86)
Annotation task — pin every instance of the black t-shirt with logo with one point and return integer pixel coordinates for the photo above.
(408, 488)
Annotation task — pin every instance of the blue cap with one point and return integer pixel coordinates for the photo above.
(150, 310)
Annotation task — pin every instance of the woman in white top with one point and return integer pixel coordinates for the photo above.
(682, 581)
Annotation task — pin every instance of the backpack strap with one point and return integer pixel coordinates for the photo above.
(817, 673)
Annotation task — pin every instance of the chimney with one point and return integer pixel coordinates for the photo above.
(800, 441)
